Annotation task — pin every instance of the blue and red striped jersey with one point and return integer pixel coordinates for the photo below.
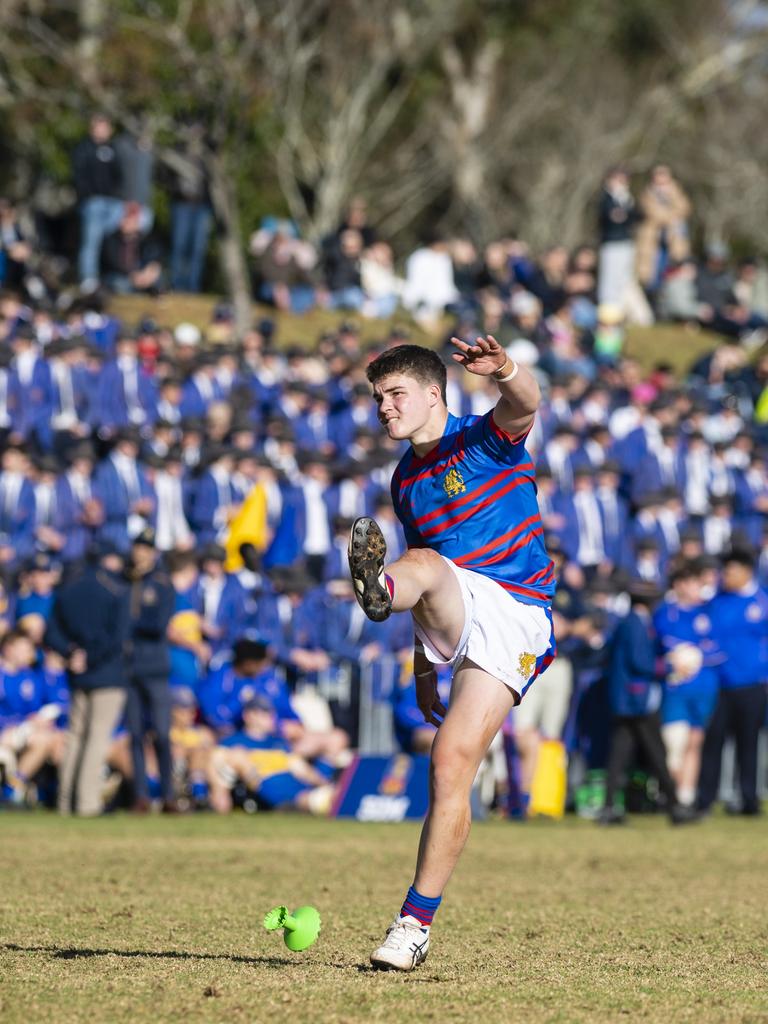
(473, 499)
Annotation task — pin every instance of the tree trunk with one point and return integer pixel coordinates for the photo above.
(233, 263)
(466, 122)
(91, 15)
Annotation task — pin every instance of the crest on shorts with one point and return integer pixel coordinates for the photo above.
(526, 663)
(453, 483)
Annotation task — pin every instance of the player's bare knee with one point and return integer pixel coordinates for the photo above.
(451, 771)
(430, 565)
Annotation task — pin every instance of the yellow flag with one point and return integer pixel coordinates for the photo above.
(248, 526)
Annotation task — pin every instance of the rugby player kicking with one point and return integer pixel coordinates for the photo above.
(476, 579)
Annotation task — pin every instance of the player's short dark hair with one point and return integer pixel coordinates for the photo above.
(12, 636)
(415, 361)
(684, 569)
(741, 555)
(177, 561)
(245, 650)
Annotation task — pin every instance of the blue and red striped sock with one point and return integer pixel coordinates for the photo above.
(390, 585)
(423, 908)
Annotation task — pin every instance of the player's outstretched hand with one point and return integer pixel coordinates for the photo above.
(427, 698)
(485, 357)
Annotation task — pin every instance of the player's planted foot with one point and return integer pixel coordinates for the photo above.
(681, 814)
(405, 947)
(366, 553)
(611, 816)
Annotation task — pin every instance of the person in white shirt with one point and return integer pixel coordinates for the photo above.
(429, 282)
(314, 480)
(172, 531)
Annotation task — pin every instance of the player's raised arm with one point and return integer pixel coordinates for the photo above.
(520, 394)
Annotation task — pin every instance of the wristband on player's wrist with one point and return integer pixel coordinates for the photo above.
(503, 374)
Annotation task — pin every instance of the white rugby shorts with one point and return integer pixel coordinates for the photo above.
(508, 639)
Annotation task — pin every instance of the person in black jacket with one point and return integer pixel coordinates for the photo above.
(617, 216)
(98, 176)
(89, 627)
(152, 602)
(635, 697)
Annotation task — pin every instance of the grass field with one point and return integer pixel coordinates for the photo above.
(131, 920)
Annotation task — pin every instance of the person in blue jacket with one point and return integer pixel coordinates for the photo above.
(635, 697)
(684, 626)
(740, 616)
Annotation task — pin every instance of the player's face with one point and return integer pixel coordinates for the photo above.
(688, 590)
(404, 405)
(182, 717)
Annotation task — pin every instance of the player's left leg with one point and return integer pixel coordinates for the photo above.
(676, 734)
(479, 704)
(699, 708)
(478, 707)
(421, 581)
(690, 767)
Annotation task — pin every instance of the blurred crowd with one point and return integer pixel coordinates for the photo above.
(175, 503)
(638, 266)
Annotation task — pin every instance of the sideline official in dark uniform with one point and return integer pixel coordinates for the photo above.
(149, 699)
(89, 627)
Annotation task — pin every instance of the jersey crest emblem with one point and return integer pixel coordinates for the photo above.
(526, 664)
(453, 483)
(754, 613)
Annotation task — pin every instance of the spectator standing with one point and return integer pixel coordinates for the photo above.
(152, 604)
(34, 377)
(126, 493)
(17, 508)
(213, 500)
(740, 616)
(127, 394)
(191, 214)
(173, 530)
(98, 175)
(663, 234)
(89, 628)
(70, 406)
(635, 698)
(617, 217)
(220, 598)
(81, 510)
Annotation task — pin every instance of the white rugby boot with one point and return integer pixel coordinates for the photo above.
(405, 947)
